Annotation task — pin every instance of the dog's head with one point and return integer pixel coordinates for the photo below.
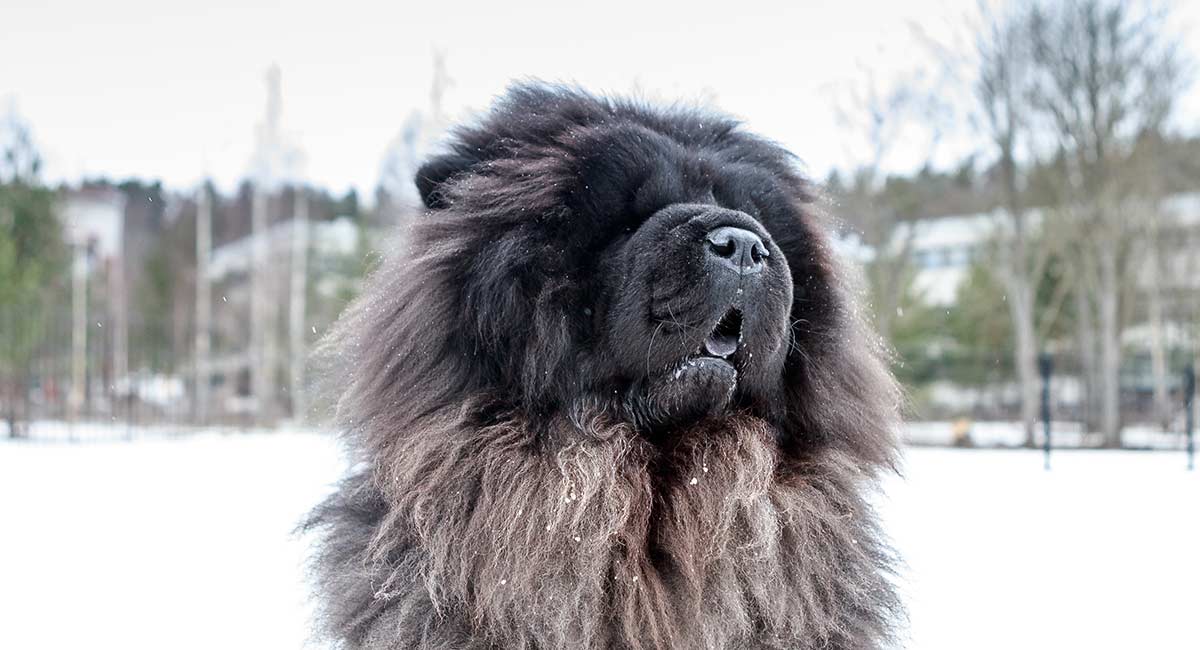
(659, 266)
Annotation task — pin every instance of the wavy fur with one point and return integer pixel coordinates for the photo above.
(508, 491)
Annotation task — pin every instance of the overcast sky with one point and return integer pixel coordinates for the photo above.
(171, 90)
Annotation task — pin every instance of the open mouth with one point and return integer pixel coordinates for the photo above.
(716, 353)
(723, 341)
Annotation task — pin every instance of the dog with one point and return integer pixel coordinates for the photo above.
(613, 390)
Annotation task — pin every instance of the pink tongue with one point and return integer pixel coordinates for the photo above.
(720, 345)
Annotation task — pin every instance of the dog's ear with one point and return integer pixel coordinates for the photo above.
(436, 172)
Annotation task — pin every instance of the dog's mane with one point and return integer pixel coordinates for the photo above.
(494, 507)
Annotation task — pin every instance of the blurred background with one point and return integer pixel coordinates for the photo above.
(190, 195)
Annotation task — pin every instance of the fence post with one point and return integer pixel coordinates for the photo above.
(1189, 397)
(1046, 366)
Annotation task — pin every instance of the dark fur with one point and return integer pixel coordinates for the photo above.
(529, 473)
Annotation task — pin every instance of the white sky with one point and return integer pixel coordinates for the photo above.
(170, 90)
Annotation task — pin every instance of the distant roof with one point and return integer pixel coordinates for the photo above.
(973, 229)
(339, 236)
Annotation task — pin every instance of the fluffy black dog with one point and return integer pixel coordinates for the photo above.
(611, 392)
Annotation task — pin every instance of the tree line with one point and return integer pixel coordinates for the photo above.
(1071, 107)
(1078, 157)
(151, 291)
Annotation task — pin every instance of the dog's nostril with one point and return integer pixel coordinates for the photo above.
(722, 248)
(759, 252)
(737, 248)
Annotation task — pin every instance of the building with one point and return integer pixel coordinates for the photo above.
(944, 250)
(230, 271)
(94, 227)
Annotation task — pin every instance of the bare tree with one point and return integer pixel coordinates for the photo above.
(202, 343)
(885, 116)
(1155, 309)
(298, 305)
(1105, 73)
(1146, 171)
(1001, 94)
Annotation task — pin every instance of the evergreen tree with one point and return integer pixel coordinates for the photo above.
(31, 260)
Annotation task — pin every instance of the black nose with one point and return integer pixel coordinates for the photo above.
(737, 249)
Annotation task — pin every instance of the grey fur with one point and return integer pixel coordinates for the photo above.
(502, 500)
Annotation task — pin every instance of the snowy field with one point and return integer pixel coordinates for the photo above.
(187, 544)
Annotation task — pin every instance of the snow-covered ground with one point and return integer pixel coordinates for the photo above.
(170, 543)
(186, 543)
(1103, 551)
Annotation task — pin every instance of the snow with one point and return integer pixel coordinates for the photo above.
(187, 542)
(182, 543)
(1103, 551)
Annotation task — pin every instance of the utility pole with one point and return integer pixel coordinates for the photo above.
(120, 337)
(261, 357)
(273, 161)
(297, 304)
(79, 271)
(203, 303)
